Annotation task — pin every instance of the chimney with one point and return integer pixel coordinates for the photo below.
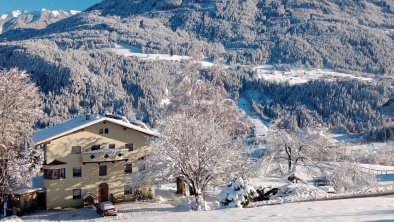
(87, 116)
(108, 114)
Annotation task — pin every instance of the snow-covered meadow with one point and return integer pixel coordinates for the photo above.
(267, 72)
(132, 51)
(302, 75)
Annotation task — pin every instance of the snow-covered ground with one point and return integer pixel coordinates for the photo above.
(362, 209)
(132, 51)
(298, 75)
(267, 72)
(368, 209)
(260, 127)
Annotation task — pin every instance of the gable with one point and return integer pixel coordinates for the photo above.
(81, 123)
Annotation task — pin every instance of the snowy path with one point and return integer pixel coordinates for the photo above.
(362, 209)
(259, 126)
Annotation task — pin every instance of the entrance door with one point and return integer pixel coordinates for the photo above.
(103, 192)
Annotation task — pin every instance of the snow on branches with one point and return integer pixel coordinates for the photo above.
(293, 148)
(349, 176)
(198, 149)
(19, 109)
(200, 139)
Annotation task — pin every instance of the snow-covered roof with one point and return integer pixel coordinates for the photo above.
(79, 123)
(106, 205)
(24, 190)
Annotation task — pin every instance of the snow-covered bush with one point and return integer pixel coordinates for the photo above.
(348, 176)
(299, 191)
(237, 193)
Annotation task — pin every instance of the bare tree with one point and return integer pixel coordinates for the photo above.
(19, 109)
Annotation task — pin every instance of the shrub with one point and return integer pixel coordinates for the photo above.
(237, 193)
(143, 193)
(349, 176)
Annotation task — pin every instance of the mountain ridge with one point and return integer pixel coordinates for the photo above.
(32, 19)
(67, 60)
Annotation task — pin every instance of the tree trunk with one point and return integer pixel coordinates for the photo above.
(200, 202)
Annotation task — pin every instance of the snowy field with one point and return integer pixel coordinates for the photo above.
(362, 209)
(298, 76)
(132, 51)
(266, 72)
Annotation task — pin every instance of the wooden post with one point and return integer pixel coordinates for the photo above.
(181, 185)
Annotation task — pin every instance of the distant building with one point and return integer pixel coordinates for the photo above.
(90, 156)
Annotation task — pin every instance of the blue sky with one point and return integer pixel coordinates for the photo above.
(36, 5)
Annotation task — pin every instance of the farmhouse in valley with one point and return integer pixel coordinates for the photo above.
(87, 159)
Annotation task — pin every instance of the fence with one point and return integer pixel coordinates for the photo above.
(377, 172)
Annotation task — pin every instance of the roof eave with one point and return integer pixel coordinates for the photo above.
(144, 131)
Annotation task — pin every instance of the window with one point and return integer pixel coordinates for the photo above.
(76, 149)
(141, 164)
(103, 131)
(95, 147)
(111, 146)
(77, 194)
(53, 174)
(127, 190)
(77, 171)
(128, 168)
(129, 146)
(103, 170)
(142, 167)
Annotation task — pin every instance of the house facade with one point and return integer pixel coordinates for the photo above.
(90, 157)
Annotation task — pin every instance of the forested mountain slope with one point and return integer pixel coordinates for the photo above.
(68, 62)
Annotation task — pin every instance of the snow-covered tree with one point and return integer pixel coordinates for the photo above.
(293, 148)
(197, 149)
(349, 176)
(196, 97)
(19, 109)
(200, 138)
(237, 193)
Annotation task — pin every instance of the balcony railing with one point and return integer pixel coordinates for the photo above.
(113, 155)
(105, 155)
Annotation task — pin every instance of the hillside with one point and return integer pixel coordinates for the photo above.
(72, 61)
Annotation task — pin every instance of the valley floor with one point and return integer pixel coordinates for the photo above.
(362, 209)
